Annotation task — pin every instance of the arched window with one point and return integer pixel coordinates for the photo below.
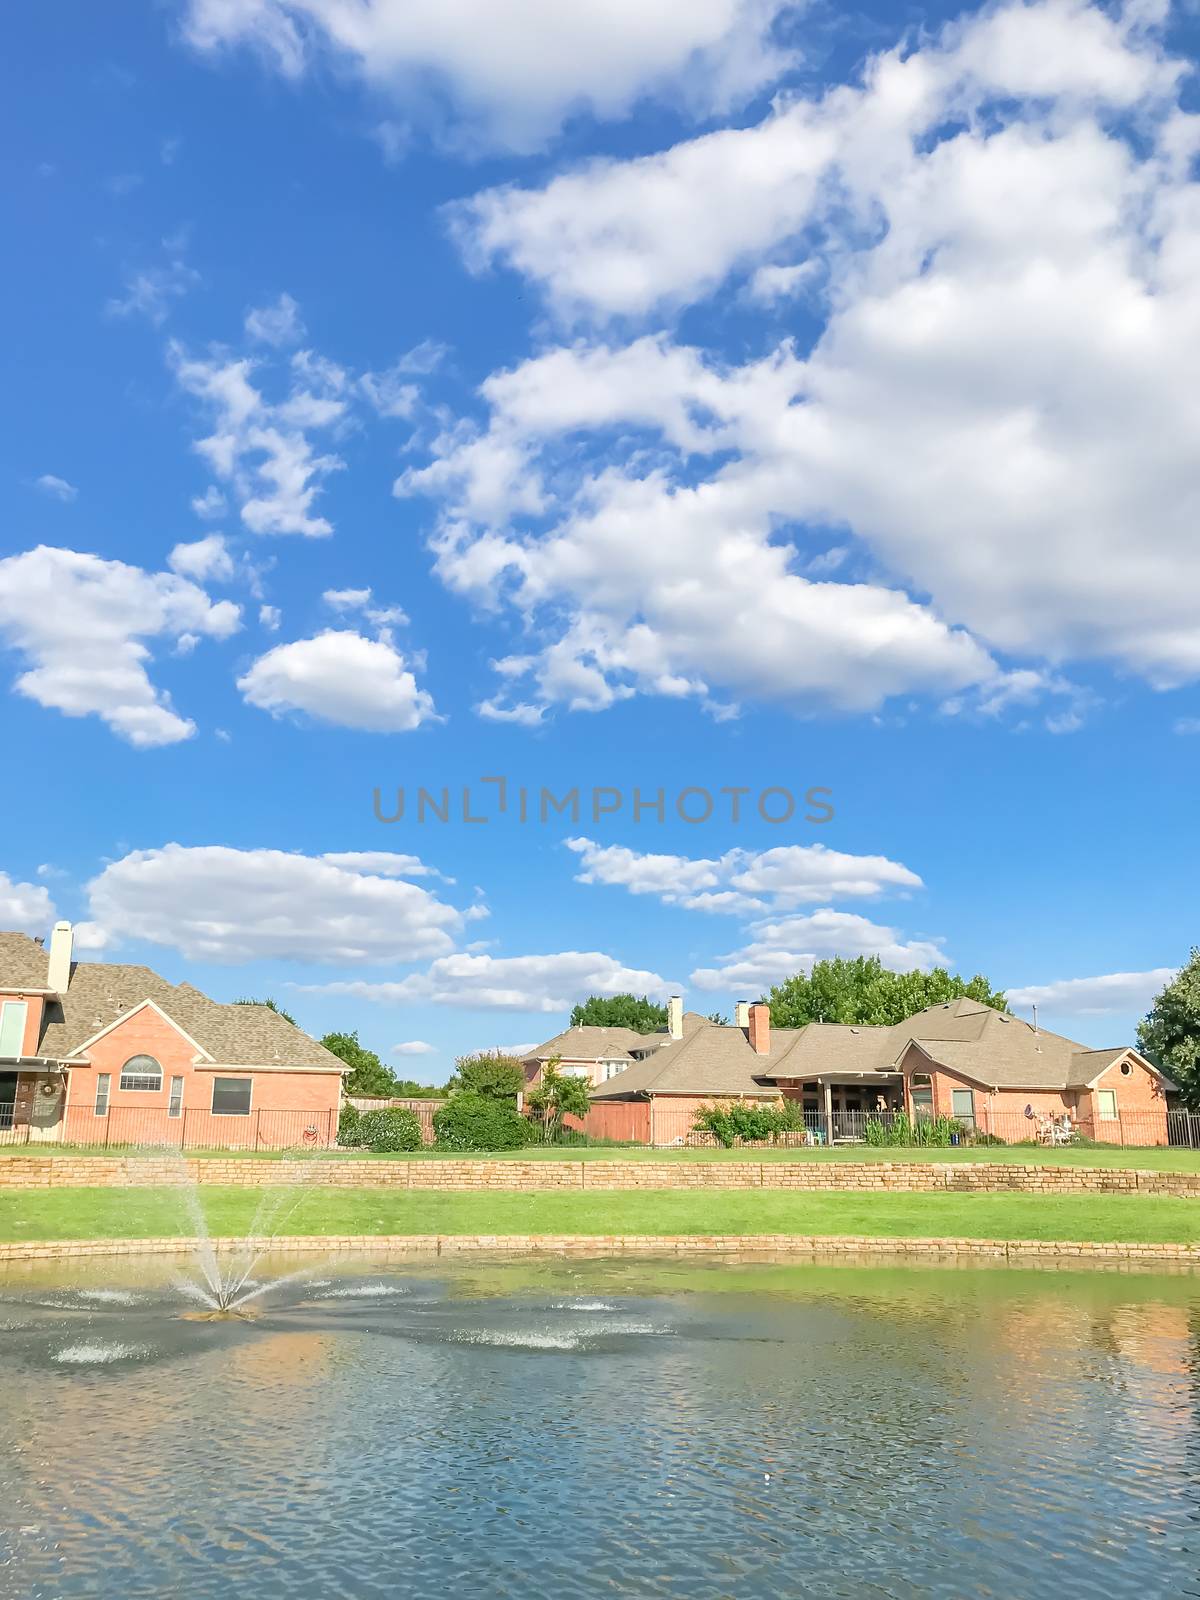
(142, 1073)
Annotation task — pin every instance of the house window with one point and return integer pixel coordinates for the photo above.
(103, 1085)
(12, 1027)
(921, 1090)
(611, 1068)
(175, 1104)
(141, 1074)
(962, 1103)
(231, 1097)
(1106, 1101)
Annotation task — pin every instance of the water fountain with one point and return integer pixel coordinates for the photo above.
(225, 1286)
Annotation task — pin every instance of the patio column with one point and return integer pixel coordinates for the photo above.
(827, 1094)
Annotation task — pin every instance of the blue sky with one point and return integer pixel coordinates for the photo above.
(657, 397)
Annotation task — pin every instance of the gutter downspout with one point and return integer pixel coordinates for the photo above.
(650, 1097)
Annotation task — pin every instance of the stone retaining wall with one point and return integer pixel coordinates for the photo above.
(1017, 1251)
(956, 1177)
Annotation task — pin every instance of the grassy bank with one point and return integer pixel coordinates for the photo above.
(1105, 1155)
(151, 1213)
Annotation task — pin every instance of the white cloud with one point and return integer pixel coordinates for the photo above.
(270, 617)
(414, 1047)
(384, 863)
(360, 600)
(80, 620)
(150, 291)
(650, 583)
(515, 85)
(743, 881)
(1186, 725)
(261, 450)
(215, 903)
(58, 487)
(340, 677)
(210, 504)
(778, 950)
(999, 228)
(278, 324)
(508, 983)
(203, 559)
(1114, 992)
(25, 907)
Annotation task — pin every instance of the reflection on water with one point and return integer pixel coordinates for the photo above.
(612, 1428)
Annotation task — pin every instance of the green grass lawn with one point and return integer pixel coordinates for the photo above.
(147, 1213)
(1104, 1155)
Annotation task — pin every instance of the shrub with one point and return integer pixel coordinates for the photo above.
(987, 1139)
(473, 1122)
(349, 1128)
(393, 1128)
(490, 1075)
(555, 1097)
(748, 1122)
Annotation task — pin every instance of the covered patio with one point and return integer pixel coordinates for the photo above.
(837, 1105)
(32, 1097)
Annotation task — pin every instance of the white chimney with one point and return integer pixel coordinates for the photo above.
(741, 1015)
(58, 974)
(675, 1016)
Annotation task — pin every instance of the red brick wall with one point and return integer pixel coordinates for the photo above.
(283, 1104)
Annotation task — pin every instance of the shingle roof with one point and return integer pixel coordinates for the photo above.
(596, 1044)
(990, 1047)
(23, 962)
(99, 992)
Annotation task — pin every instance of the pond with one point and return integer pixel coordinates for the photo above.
(605, 1428)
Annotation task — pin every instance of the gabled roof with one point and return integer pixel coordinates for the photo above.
(989, 1047)
(596, 1044)
(100, 992)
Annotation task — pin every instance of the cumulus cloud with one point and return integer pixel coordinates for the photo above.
(515, 86)
(210, 504)
(507, 983)
(340, 677)
(25, 907)
(414, 1047)
(361, 600)
(997, 229)
(653, 582)
(1113, 992)
(215, 903)
(59, 488)
(79, 621)
(384, 863)
(261, 449)
(778, 950)
(742, 881)
(202, 559)
(277, 324)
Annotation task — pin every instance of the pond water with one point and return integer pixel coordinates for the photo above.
(606, 1428)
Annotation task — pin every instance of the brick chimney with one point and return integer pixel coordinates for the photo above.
(58, 974)
(760, 1029)
(675, 1016)
(741, 1015)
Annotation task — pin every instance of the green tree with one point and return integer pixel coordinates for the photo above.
(370, 1077)
(493, 1076)
(620, 1011)
(410, 1089)
(271, 1006)
(1169, 1034)
(556, 1096)
(863, 991)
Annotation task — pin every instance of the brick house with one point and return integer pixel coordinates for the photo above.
(95, 1052)
(994, 1072)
